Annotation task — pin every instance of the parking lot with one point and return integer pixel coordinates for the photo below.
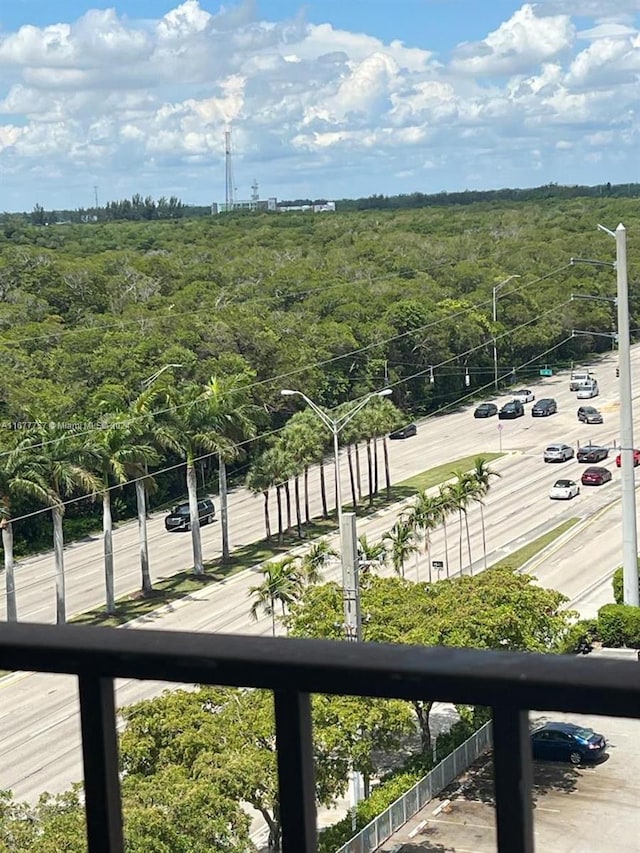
(584, 809)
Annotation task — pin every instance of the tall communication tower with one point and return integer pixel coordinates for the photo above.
(230, 192)
(254, 190)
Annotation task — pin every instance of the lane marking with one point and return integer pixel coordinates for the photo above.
(463, 823)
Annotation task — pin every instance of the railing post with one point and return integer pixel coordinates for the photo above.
(295, 771)
(513, 778)
(100, 757)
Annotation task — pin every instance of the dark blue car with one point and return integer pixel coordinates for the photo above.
(567, 742)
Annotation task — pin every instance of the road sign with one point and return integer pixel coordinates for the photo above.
(437, 564)
(500, 427)
(546, 371)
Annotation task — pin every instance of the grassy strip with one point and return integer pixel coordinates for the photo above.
(516, 560)
(183, 584)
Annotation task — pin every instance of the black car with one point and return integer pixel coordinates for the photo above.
(567, 742)
(513, 409)
(486, 410)
(543, 408)
(404, 432)
(180, 518)
(592, 453)
(589, 415)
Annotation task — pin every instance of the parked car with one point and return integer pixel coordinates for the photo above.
(567, 742)
(544, 408)
(524, 395)
(486, 410)
(558, 453)
(404, 432)
(564, 490)
(588, 390)
(180, 518)
(589, 415)
(592, 453)
(596, 476)
(636, 459)
(514, 409)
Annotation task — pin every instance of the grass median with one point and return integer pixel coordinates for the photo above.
(518, 558)
(185, 583)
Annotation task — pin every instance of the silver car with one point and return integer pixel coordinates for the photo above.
(558, 453)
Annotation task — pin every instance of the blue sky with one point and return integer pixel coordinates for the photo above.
(325, 99)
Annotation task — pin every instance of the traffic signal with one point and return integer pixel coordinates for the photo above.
(617, 373)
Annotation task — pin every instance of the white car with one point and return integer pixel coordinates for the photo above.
(524, 395)
(588, 391)
(564, 490)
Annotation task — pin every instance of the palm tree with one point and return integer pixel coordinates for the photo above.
(233, 417)
(402, 543)
(63, 461)
(14, 481)
(305, 439)
(185, 427)
(281, 585)
(260, 480)
(482, 475)
(120, 454)
(423, 516)
(385, 417)
(316, 560)
(444, 508)
(371, 555)
(460, 494)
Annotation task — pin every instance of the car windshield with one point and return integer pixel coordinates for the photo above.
(181, 509)
(583, 734)
(553, 448)
(563, 484)
(589, 410)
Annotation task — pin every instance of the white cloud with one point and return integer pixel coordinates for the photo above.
(518, 44)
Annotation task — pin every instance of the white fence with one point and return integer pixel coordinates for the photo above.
(405, 807)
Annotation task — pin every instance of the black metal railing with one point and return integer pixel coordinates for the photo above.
(511, 683)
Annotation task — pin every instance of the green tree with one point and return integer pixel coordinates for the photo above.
(482, 475)
(402, 544)
(316, 560)
(281, 585)
(51, 454)
(260, 480)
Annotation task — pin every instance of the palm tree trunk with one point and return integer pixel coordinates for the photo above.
(224, 509)
(192, 491)
(307, 516)
(460, 541)
(387, 474)
(296, 492)
(279, 501)
(58, 551)
(370, 471)
(351, 476)
(358, 477)
(375, 464)
(466, 524)
(141, 500)
(107, 529)
(323, 490)
(9, 568)
(446, 546)
(267, 520)
(287, 499)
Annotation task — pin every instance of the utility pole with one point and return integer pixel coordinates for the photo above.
(95, 195)
(629, 527)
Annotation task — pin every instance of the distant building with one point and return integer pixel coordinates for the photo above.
(326, 206)
(269, 204)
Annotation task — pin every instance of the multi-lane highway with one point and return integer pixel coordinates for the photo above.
(39, 728)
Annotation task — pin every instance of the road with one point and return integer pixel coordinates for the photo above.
(38, 713)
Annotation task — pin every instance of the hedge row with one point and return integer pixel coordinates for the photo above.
(618, 584)
(619, 625)
(399, 782)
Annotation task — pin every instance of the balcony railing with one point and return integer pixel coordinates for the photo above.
(510, 683)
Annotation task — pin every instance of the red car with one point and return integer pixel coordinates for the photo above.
(636, 459)
(596, 476)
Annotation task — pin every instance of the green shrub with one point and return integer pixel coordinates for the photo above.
(619, 625)
(618, 584)
(586, 630)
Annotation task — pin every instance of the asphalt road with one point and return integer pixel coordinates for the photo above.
(39, 727)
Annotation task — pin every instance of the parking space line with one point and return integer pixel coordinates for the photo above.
(462, 823)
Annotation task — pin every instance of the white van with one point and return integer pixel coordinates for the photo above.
(580, 378)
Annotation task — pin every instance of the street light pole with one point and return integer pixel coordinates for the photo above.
(495, 320)
(629, 528)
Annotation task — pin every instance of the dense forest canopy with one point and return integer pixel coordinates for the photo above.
(336, 305)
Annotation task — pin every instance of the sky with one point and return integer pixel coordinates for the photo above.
(324, 99)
